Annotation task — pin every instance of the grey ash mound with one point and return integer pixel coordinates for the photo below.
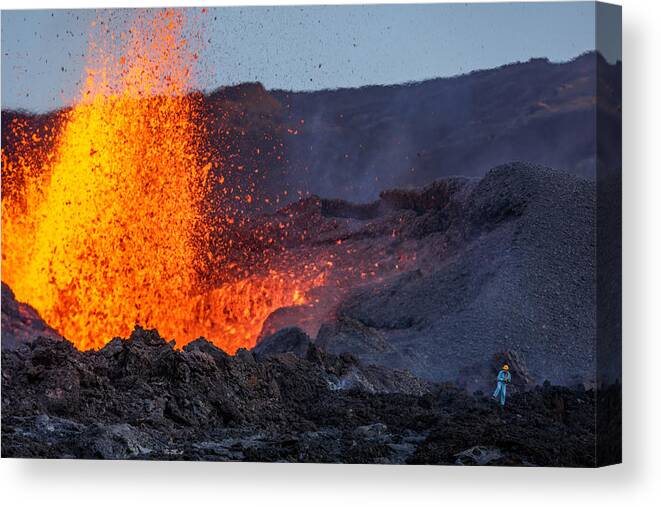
(140, 398)
(504, 265)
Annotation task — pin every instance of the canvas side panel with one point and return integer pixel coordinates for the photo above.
(608, 33)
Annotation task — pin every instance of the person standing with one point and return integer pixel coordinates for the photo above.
(504, 378)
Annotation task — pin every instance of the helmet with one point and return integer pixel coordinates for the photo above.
(505, 367)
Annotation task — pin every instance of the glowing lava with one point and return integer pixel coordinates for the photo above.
(107, 231)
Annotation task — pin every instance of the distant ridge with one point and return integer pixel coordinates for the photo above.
(354, 143)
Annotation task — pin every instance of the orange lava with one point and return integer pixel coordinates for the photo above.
(106, 232)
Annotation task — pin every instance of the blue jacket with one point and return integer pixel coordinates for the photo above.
(504, 376)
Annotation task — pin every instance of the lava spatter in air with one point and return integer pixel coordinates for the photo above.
(107, 230)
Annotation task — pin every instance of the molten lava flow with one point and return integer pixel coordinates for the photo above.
(107, 232)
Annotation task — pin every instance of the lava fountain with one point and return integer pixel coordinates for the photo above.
(107, 232)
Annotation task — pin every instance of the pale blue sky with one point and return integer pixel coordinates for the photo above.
(313, 47)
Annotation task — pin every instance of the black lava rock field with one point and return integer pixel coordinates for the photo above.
(141, 398)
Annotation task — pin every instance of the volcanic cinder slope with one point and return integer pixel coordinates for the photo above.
(20, 322)
(467, 269)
